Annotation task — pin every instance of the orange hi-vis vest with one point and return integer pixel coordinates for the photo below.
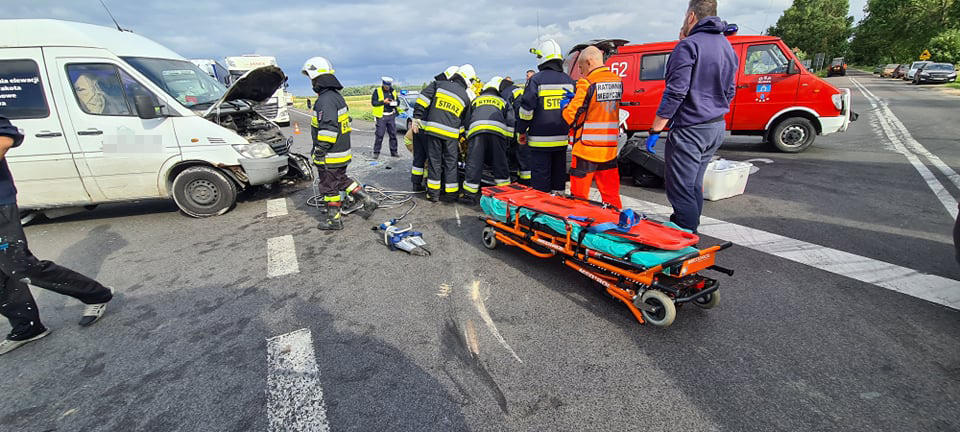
(594, 116)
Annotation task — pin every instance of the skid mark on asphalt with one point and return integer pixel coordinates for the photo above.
(456, 211)
(936, 289)
(294, 392)
(461, 360)
(482, 310)
(897, 134)
(276, 207)
(281, 256)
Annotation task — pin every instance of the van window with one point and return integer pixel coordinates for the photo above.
(765, 59)
(21, 92)
(653, 66)
(99, 90)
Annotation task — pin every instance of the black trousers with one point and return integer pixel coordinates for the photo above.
(688, 151)
(485, 147)
(332, 181)
(388, 125)
(419, 159)
(18, 266)
(548, 169)
(443, 154)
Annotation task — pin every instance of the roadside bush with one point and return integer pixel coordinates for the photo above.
(945, 47)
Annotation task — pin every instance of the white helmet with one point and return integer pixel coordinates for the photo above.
(468, 73)
(548, 50)
(317, 66)
(451, 71)
(494, 84)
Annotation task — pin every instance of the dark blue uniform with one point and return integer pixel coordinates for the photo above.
(540, 117)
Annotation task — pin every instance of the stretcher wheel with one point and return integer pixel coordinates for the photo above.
(489, 238)
(708, 301)
(665, 311)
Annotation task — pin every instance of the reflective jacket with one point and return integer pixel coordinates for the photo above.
(331, 130)
(444, 109)
(377, 101)
(594, 115)
(539, 114)
(490, 114)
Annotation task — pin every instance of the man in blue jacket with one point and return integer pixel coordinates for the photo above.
(18, 266)
(700, 84)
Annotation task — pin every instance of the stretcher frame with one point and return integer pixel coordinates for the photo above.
(625, 281)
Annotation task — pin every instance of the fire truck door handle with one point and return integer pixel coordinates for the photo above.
(743, 86)
(639, 90)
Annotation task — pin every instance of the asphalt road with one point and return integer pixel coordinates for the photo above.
(404, 343)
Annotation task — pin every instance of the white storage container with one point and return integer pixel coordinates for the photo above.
(725, 179)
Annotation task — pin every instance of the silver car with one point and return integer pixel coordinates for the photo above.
(914, 67)
(404, 117)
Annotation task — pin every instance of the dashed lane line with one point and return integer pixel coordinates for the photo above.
(932, 288)
(294, 391)
(281, 256)
(276, 207)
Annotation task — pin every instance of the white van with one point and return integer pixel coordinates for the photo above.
(112, 116)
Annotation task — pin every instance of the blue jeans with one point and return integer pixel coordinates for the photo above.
(688, 152)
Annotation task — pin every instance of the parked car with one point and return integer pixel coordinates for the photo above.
(914, 67)
(837, 67)
(935, 73)
(901, 71)
(887, 71)
(877, 70)
(112, 116)
(776, 97)
(404, 117)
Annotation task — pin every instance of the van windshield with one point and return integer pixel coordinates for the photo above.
(181, 79)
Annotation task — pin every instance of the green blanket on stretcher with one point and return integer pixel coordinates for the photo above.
(609, 244)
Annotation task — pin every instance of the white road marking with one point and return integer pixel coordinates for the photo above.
(457, 212)
(928, 287)
(444, 291)
(294, 393)
(281, 256)
(482, 310)
(898, 135)
(276, 207)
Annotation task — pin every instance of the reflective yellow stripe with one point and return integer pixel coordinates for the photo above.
(452, 188)
(525, 175)
(525, 114)
(337, 160)
(544, 93)
(332, 198)
(433, 184)
(441, 132)
(327, 139)
(314, 122)
(471, 188)
(493, 128)
(416, 171)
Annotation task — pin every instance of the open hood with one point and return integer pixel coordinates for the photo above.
(608, 46)
(255, 86)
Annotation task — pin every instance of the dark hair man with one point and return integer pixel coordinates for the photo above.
(18, 266)
(700, 84)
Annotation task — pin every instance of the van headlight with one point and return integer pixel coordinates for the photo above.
(837, 101)
(255, 150)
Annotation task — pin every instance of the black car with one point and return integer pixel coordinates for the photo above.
(936, 73)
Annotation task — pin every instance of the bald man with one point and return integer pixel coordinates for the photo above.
(593, 114)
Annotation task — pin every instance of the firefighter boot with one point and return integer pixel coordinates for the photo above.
(470, 199)
(330, 218)
(369, 204)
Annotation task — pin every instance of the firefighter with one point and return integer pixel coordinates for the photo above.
(330, 130)
(441, 114)
(516, 154)
(594, 115)
(417, 172)
(489, 129)
(540, 124)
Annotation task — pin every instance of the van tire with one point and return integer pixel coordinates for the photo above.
(793, 135)
(203, 191)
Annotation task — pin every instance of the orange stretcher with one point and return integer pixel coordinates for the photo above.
(547, 226)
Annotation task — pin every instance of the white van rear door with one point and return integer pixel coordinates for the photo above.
(43, 166)
(123, 152)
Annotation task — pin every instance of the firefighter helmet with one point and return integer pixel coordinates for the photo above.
(317, 66)
(451, 71)
(493, 84)
(548, 50)
(468, 73)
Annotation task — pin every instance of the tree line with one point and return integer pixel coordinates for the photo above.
(891, 31)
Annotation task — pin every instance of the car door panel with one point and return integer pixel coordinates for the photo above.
(764, 87)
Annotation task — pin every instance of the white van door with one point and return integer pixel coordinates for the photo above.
(43, 166)
(123, 152)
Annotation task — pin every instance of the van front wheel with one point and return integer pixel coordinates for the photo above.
(793, 135)
(204, 191)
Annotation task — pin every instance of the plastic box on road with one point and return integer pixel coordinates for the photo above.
(725, 179)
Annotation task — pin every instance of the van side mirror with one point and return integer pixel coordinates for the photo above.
(147, 106)
(793, 69)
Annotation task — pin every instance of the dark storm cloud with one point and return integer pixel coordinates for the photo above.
(410, 41)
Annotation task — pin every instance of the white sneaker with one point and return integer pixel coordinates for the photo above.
(8, 345)
(93, 312)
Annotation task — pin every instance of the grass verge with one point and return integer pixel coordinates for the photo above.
(360, 108)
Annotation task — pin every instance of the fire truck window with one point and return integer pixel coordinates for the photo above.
(653, 66)
(765, 59)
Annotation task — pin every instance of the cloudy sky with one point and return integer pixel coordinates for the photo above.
(411, 41)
